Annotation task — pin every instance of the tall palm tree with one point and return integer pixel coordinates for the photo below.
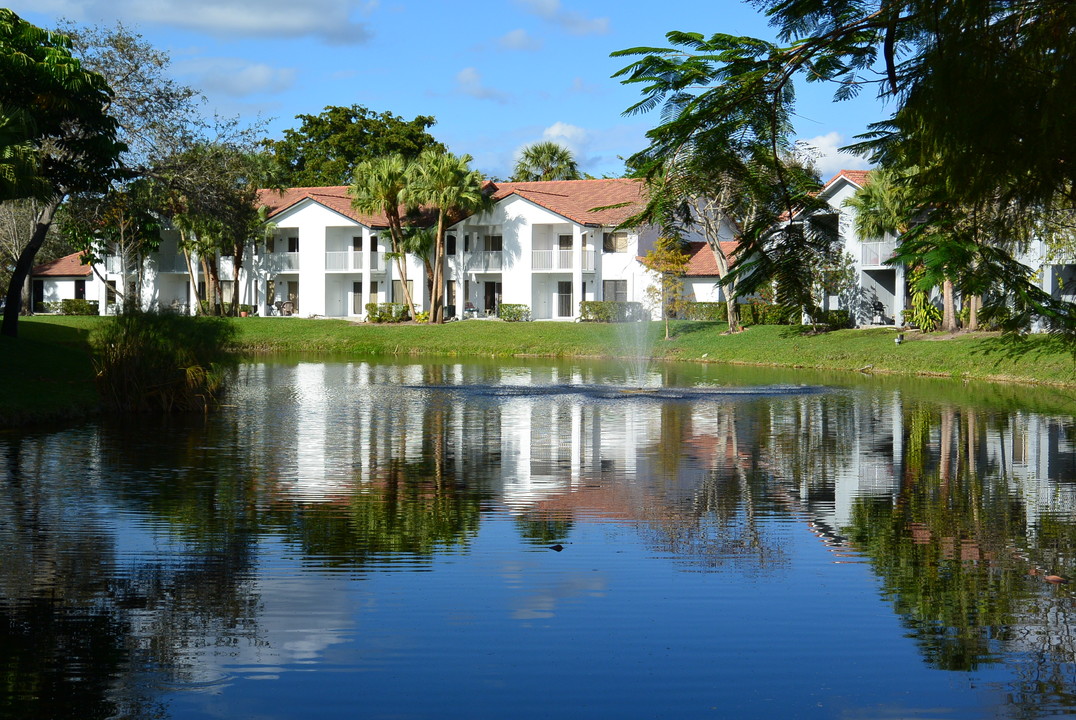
(887, 204)
(545, 160)
(381, 185)
(445, 181)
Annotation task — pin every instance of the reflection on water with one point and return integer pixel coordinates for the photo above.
(394, 539)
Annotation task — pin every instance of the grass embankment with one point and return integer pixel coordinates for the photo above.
(985, 356)
(49, 372)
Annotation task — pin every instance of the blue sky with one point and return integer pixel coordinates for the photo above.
(497, 75)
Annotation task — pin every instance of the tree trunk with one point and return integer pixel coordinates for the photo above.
(974, 303)
(437, 304)
(24, 265)
(237, 265)
(733, 312)
(948, 307)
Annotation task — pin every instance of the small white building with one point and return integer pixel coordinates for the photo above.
(66, 278)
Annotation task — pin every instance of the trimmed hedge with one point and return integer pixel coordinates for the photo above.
(79, 307)
(708, 311)
(610, 311)
(767, 314)
(386, 312)
(511, 312)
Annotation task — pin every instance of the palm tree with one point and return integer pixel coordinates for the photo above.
(886, 205)
(445, 182)
(381, 185)
(545, 160)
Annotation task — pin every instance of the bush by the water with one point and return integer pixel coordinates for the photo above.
(610, 311)
(162, 362)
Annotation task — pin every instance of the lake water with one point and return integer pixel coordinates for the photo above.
(441, 540)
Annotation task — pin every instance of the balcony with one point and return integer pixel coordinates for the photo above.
(560, 260)
(485, 261)
(284, 261)
(874, 254)
(351, 261)
(171, 264)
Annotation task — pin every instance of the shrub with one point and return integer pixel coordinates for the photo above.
(768, 314)
(162, 362)
(79, 307)
(510, 312)
(708, 311)
(609, 311)
(836, 319)
(52, 306)
(386, 312)
(422, 317)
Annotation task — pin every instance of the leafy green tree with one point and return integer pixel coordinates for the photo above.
(72, 133)
(446, 183)
(327, 148)
(545, 160)
(930, 52)
(721, 163)
(669, 262)
(381, 185)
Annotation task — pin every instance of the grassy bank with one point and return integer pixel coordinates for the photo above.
(986, 356)
(50, 374)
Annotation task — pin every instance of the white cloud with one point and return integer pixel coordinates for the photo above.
(519, 40)
(236, 77)
(570, 136)
(469, 82)
(829, 159)
(329, 20)
(568, 20)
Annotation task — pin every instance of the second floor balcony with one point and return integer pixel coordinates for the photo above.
(351, 261)
(875, 254)
(485, 261)
(560, 260)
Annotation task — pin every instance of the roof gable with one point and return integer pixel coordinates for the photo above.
(67, 266)
(576, 200)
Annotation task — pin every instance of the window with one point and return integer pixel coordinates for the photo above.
(615, 290)
(80, 289)
(494, 243)
(450, 244)
(356, 301)
(615, 242)
(398, 293)
(293, 244)
(356, 243)
(564, 298)
(564, 242)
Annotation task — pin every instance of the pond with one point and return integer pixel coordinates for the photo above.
(434, 540)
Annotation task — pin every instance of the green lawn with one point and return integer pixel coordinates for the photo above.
(49, 371)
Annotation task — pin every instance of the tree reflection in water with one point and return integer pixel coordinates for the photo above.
(961, 511)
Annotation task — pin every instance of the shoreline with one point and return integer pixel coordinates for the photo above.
(50, 374)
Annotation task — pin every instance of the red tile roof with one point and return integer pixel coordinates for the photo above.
(334, 198)
(67, 266)
(858, 177)
(576, 199)
(703, 263)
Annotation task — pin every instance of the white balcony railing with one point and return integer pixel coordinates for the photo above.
(171, 264)
(560, 260)
(350, 261)
(284, 261)
(485, 261)
(876, 253)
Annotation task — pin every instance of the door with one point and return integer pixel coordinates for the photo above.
(492, 296)
(564, 298)
(293, 295)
